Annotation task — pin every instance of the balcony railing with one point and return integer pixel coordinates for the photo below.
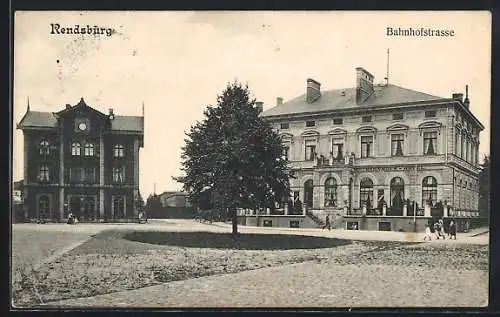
(322, 161)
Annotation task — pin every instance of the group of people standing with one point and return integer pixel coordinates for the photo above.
(439, 231)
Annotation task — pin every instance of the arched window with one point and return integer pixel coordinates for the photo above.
(118, 150)
(88, 149)
(43, 173)
(308, 193)
(44, 147)
(366, 193)
(331, 192)
(75, 149)
(429, 191)
(397, 196)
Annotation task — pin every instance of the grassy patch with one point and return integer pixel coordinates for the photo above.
(228, 241)
(110, 263)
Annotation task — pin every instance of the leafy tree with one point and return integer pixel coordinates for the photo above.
(233, 159)
(153, 205)
(484, 188)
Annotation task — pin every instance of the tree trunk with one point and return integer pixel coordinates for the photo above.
(234, 217)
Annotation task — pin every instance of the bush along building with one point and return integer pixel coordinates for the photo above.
(378, 157)
(81, 161)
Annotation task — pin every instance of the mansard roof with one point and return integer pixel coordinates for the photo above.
(346, 99)
(48, 120)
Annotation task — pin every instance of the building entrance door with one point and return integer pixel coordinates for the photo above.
(89, 208)
(397, 196)
(75, 207)
(83, 207)
(44, 208)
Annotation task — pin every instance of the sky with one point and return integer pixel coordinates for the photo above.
(176, 63)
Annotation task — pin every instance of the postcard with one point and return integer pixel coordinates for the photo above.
(266, 159)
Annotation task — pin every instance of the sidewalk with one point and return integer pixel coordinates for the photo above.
(365, 235)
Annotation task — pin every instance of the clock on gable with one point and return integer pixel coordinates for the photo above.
(82, 125)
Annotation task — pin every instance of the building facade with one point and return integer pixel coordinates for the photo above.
(81, 161)
(174, 199)
(380, 156)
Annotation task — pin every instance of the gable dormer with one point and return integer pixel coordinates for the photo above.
(82, 119)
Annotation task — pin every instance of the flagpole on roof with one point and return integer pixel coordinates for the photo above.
(28, 108)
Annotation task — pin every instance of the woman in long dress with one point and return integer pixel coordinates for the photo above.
(427, 233)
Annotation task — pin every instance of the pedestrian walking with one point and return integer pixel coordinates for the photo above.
(71, 220)
(437, 230)
(327, 223)
(452, 230)
(427, 232)
(441, 227)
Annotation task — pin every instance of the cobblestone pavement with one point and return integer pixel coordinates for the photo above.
(437, 273)
(339, 282)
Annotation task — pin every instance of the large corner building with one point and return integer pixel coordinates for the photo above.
(81, 161)
(381, 157)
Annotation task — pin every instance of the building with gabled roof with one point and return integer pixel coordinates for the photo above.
(81, 161)
(379, 157)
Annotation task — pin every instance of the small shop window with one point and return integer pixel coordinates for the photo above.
(268, 223)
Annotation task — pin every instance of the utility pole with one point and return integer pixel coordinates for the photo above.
(387, 74)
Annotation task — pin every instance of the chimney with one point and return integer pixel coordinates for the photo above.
(259, 105)
(457, 96)
(313, 90)
(68, 106)
(364, 85)
(111, 114)
(279, 101)
(466, 100)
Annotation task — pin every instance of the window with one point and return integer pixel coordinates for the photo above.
(75, 149)
(384, 226)
(285, 125)
(43, 173)
(457, 143)
(88, 149)
(338, 121)
(286, 151)
(352, 225)
(310, 150)
(119, 206)
(429, 191)
(118, 174)
(82, 175)
(430, 114)
(267, 223)
(397, 144)
(75, 174)
(338, 149)
(366, 193)
(118, 150)
(430, 141)
(89, 176)
(44, 147)
(397, 116)
(331, 192)
(366, 119)
(310, 123)
(308, 193)
(366, 146)
(462, 147)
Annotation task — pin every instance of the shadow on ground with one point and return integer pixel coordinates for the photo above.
(228, 241)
